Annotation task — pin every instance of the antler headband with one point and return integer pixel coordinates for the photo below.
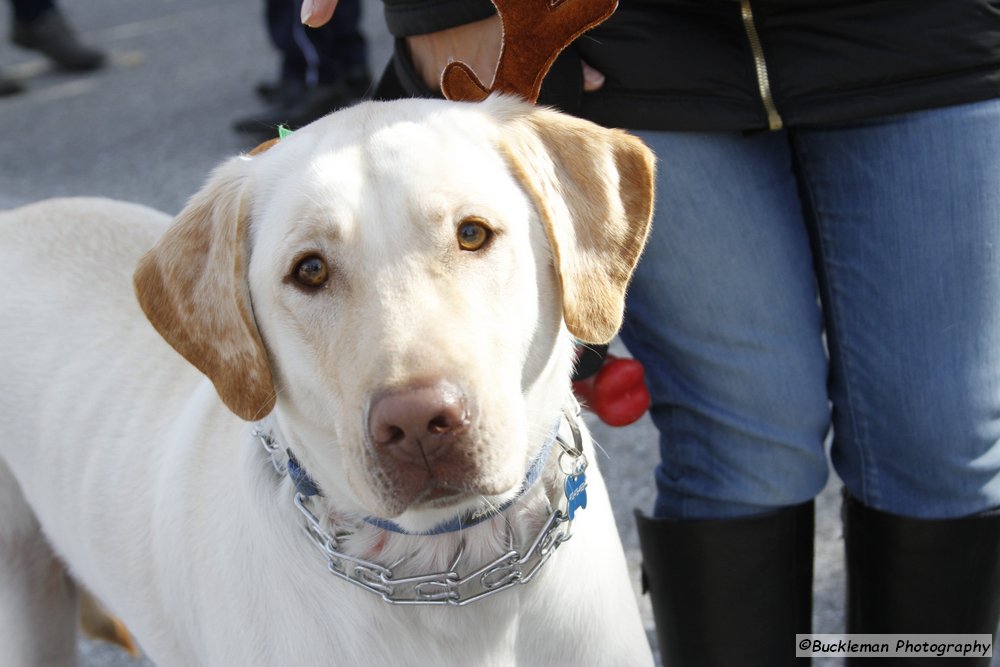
(535, 32)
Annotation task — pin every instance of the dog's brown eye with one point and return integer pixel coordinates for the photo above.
(473, 234)
(311, 272)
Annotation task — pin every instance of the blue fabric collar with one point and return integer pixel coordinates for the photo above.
(307, 487)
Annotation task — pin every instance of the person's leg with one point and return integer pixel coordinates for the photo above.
(907, 222)
(280, 17)
(723, 313)
(342, 48)
(907, 213)
(319, 74)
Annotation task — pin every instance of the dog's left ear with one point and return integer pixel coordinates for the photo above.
(193, 288)
(593, 188)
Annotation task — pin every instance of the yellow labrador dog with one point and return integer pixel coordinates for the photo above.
(366, 451)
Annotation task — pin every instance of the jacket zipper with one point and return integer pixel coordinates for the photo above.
(774, 121)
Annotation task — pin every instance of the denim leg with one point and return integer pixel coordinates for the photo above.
(907, 221)
(723, 313)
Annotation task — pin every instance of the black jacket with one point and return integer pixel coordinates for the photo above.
(754, 64)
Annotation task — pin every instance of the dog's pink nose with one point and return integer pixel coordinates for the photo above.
(418, 424)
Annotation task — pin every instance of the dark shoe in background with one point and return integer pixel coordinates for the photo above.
(53, 36)
(280, 91)
(10, 87)
(295, 105)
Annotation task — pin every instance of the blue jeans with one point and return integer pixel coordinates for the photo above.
(843, 277)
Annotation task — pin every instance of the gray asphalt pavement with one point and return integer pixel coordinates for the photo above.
(150, 127)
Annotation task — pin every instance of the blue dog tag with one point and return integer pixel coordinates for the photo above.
(576, 493)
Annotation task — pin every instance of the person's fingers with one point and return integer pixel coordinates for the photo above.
(592, 79)
(317, 12)
(477, 44)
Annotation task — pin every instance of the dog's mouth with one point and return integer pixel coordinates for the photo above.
(461, 502)
(439, 510)
(456, 490)
(439, 496)
(452, 484)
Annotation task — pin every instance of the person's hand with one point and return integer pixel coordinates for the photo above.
(317, 12)
(476, 44)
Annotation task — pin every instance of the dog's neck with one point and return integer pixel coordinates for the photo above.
(498, 549)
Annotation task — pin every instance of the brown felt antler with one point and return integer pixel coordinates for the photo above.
(534, 33)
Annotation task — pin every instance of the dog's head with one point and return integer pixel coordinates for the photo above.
(397, 279)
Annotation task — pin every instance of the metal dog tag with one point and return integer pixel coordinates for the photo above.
(576, 493)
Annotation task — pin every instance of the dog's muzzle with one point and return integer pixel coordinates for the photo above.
(509, 569)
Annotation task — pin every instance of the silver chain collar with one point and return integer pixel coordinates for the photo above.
(510, 569)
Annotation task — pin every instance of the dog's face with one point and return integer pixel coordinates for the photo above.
(395, 279)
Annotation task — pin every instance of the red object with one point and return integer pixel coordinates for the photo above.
(617, 394)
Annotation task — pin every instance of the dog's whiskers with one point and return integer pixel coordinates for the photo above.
(601, 449)
(262, 411)
(490, 506)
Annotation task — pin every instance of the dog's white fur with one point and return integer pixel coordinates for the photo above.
(119, 459)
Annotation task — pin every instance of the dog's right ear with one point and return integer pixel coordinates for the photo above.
(193, 288)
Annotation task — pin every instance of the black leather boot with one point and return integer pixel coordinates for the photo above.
(730, 591)
(921, 576)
